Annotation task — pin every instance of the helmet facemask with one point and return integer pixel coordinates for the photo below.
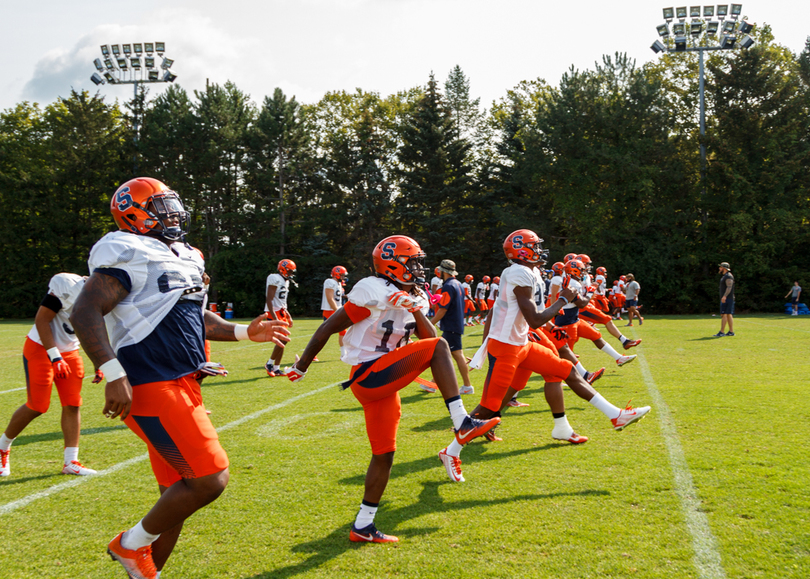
(162, 208)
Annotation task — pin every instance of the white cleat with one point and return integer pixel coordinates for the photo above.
(75, 467)
(628, 416)
(466, 390)
(625, 359)
(452, 464)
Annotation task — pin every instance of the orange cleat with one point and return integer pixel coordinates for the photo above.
(138, 563)
(370, 534)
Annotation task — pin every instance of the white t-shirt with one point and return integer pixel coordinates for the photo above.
(160, 275)
(436, 284)
(282, 289)
(66, 287)
(337, 288)
(493, 289)
(481, 291)
(386, 329)
(508, 324)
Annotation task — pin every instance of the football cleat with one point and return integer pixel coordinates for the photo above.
(466, 390)
(631, 344)
(573, 438)
(75, 467)
(473, 428)
(138, 562)
(491, 436)
(628, 416)
(5, 465)
(370, 534)
(624, 360)
(515, 403)
(591, 377)
(426, 385)
(269, 368)
(452, 464)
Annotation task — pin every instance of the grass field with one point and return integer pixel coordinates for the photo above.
(713, 483)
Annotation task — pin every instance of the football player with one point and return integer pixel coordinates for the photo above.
(469, 304)
(513, 357)
(150, 284)
(51, 356)
(381, 314)
(277, 289)
(493, 292)
(481, 295)
(332, 298)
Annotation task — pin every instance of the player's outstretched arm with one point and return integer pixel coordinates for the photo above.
(336, 323)
(260, 329)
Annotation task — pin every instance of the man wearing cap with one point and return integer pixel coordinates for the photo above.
(631, 292)
(726, 301)
(450, 312)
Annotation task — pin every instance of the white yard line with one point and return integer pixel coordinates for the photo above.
(12, 390)
(706, 554)
(77, 480)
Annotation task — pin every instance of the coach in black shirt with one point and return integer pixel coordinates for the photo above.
(726, 300)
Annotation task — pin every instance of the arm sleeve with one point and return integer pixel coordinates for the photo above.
(356, 313)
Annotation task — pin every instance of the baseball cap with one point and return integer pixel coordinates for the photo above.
(725, 265)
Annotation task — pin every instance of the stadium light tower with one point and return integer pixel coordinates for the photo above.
(700, 35)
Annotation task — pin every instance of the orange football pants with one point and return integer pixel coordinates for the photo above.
(40, 378)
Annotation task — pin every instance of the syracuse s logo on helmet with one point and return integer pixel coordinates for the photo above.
(388, 250)
(123, 199)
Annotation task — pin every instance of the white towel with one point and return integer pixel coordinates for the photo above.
(478, 360)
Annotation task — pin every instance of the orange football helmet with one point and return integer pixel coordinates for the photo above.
(623, 277)
(524, 245)
(340, 274)
(569, 256)
(601, 271)
(437, 273)
(585, 260)
(575, 269)
(469, 278)
(485, 279)
(287, 268)
(496, 280)
(400, 259)
(558, 268)
(143, 205)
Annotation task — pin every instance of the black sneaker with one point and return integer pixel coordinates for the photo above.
(720, 335)
(730, 334)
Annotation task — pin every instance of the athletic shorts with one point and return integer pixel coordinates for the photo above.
(631, 303)
(39, 378)
(170, 418)
(620, 300)
(557, 337)
(581, 329)
(511, 365)
(469, 305)
(594, 315)
(328, 314)
(727, 308)
(376, 385)
(482, 305)
(284, 316)
(795, 301)
(490, 303)
(453, 340)
(600, 302)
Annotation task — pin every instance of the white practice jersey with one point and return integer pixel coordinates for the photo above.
(466, 288)
(586, 279)
(621, 286)
(66, 287)
(282, 289)
(159, 276)
(386, 329)
(436, 283)
(540, 290)
(556, 281)
(493, 289)
(601, 285)
(481, 291)
(337, 288)
(508, 324)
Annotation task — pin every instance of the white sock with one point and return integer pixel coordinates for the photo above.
(365, 517)
(605, 407)
(137, 537)
(158, 575)
(457, 412)
(581, 369)
(71, 454)
(454, 448)
(622, 339)
(561, 428)
(5, 442)
(608, 349)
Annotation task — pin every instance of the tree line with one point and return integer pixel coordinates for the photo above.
(606, 163)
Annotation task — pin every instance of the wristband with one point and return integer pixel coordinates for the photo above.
(113, 370)
(54, 354)
(240, 332)
(563, 298)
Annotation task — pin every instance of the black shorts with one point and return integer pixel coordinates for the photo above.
(453, 340)
(727, 308)
(631, 303)
(795, 301)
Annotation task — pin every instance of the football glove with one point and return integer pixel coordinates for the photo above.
(213, 369)
(98, 377)
(402, 300)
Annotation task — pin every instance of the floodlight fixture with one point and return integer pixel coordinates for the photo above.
(160, 48)
(122, 64)
(696, 27)
(108, 63)
(169, 76)
(115, 50)
(694, 11)
(149, 62)
(736, 10)
(135, 63)
(745, 27)
(110, 78)
(97, 79)
(669, 14)
(712, 27)
(722, 10)
(681, 12)
(680, 43)
(728, 27)
(679, 29)
(747, 42)
(708, 11)
(727, 41)
(138, 48)
(99, 66)
(167, 63)
(658, 46)
(153, 76)
(105, 50)
(663, 30)
(149, 48)
(127, 49)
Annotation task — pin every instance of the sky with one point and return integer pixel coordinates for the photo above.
(311, 47)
